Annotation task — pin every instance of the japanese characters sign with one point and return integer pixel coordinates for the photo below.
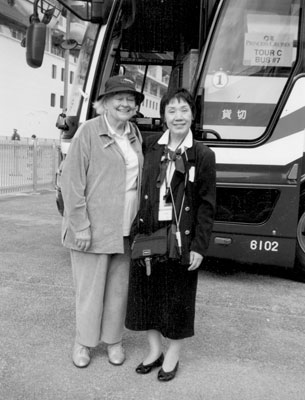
(237, 114)
(268, 50)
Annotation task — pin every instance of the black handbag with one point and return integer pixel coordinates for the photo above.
(160, 245)
(149, 249)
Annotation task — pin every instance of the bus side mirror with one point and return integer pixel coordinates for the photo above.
(35, 43)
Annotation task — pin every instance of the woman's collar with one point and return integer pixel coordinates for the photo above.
(187, 142)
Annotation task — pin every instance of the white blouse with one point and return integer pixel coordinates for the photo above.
(132, 170)
(166, 209)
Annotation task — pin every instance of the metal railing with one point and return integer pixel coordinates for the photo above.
(27, 165)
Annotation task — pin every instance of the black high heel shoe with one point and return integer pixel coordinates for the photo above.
(145, 369)
(167, 376)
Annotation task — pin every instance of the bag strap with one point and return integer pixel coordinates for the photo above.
(178, 218)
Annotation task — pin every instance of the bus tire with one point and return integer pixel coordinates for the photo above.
(300, 247)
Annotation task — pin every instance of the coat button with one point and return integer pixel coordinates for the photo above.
(187, 208)
(146, 197)
(187, 232)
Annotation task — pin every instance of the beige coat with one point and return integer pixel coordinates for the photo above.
(93, 186)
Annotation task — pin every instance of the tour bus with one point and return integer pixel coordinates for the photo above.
(244, 62)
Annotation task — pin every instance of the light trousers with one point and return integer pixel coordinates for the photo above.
(101, 286)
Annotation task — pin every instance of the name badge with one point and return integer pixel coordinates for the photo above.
(165, 213)
(165, 209)
(192, 174)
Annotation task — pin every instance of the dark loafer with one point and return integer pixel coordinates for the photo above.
(145, 369)
(167, 376)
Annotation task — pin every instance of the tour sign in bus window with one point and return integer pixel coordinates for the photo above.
(255, 41)
(266, 43)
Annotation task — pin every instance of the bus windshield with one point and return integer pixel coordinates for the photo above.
(85, 54)
(254, 40)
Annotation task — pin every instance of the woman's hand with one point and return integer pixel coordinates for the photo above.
(195, 260)
(83, 239)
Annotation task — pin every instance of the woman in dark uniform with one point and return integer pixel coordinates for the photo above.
(175, 167)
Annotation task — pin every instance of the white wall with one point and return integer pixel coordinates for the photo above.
(25, 92)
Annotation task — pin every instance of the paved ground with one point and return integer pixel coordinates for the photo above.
(250, 327)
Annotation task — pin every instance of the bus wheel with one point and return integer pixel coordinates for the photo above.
(300, 250)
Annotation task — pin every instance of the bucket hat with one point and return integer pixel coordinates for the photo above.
(121, 83)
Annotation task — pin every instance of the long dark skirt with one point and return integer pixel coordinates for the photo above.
(164, 301)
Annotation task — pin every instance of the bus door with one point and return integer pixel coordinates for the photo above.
(157, 51)
(151, 43)
(250, 96)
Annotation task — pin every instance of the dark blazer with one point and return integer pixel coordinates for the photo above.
(200, 195)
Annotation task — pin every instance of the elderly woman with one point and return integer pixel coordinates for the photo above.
(178, 192)
(100, 186)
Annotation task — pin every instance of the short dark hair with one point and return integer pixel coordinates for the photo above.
(179, 94)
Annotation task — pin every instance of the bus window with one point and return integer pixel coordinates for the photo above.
(153, 79)
(254, 46)
(150, 71)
